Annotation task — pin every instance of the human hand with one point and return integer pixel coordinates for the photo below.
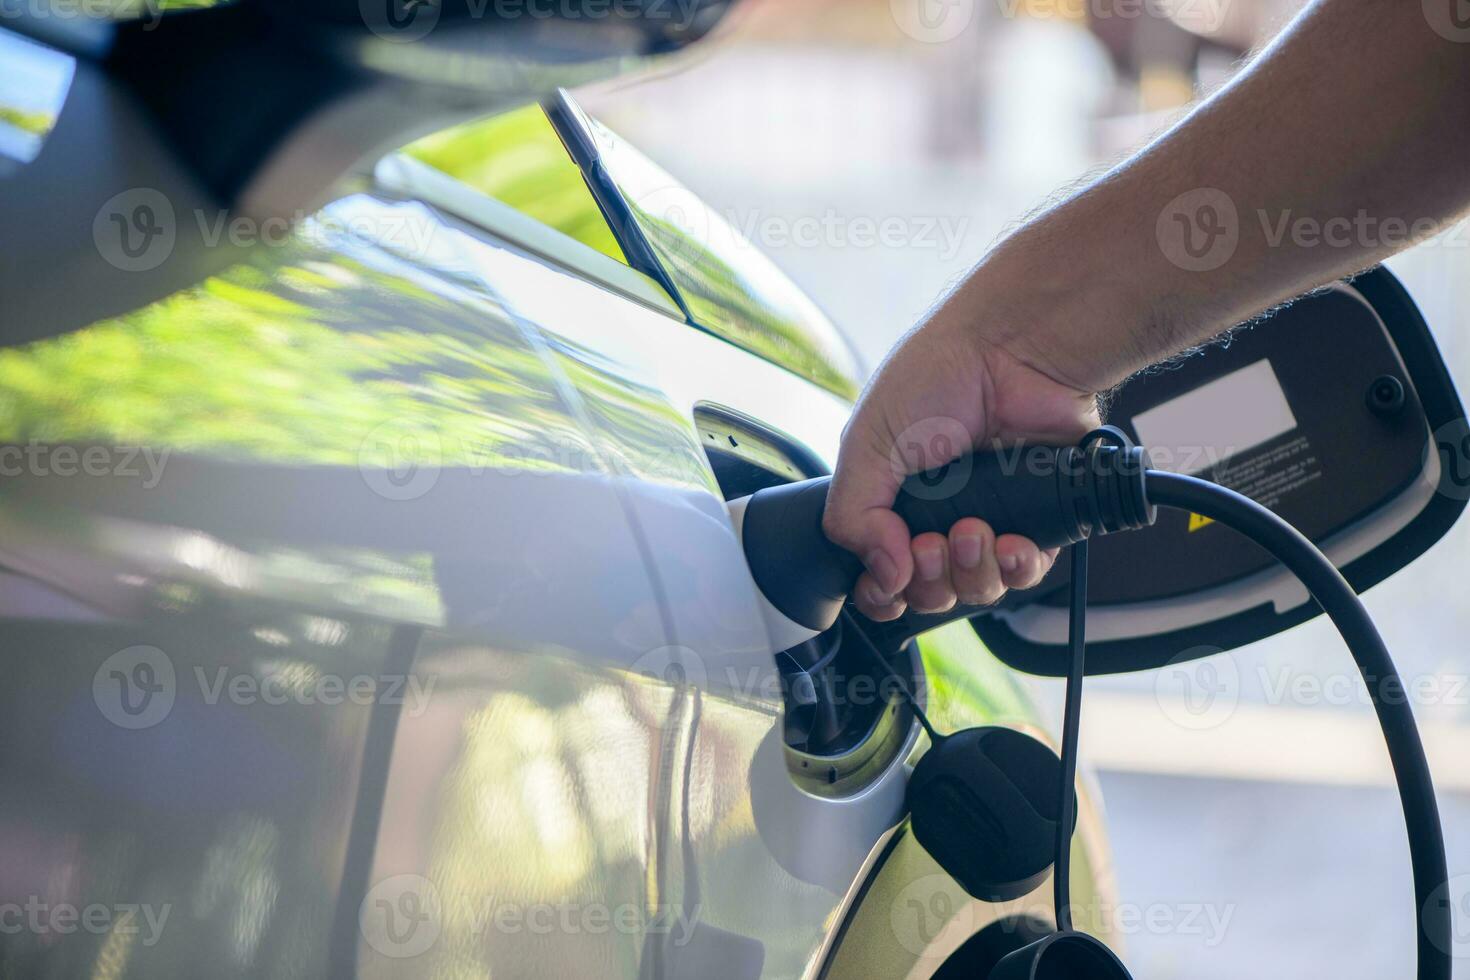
(949, 387)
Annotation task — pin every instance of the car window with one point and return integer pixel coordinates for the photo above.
(518, 159)
(732, 289)
(33, 88)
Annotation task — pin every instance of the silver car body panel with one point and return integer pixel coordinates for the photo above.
(426, 649)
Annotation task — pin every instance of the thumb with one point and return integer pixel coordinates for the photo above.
(859, 514)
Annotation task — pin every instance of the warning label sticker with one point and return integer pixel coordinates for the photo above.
(1267, 477)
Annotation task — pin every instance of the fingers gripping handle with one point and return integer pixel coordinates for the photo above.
(1053, 496)
(1009, 493)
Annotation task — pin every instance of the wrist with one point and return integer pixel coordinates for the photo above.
(1040, 311)
(1084, 294)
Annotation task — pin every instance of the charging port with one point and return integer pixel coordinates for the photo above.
(845, 717)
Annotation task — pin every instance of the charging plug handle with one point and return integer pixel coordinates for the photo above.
(1054, 496)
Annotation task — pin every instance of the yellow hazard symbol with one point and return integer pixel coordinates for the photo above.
(1197, 521)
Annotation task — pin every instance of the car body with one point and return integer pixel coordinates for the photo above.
(373, 608)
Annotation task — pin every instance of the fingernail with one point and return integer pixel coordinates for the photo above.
(878, 597)
(884, 571)
(931, 564)
(967, 551)
(1009, 563)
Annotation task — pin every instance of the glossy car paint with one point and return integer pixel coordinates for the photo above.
(430, 650)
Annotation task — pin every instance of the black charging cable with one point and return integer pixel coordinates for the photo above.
(1072, 710)
(1071, 724)
(1332, 592)
(854, 629)
(1433, 915)
(1113, 498)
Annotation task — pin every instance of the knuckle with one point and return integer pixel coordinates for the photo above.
(931, 597)
(834, 524)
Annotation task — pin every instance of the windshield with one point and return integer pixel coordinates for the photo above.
(732, 289)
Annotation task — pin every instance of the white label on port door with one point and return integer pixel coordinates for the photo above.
(1216, 421)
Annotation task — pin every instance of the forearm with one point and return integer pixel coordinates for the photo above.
(1342, 142)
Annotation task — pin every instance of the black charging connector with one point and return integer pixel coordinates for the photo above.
(1054, 496)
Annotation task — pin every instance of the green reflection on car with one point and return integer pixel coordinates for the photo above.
(299, 357)
(518, 159)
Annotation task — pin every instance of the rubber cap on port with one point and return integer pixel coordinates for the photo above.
(983, 803)
(1062, 956)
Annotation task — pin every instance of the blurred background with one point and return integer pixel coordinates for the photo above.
(875, 149)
